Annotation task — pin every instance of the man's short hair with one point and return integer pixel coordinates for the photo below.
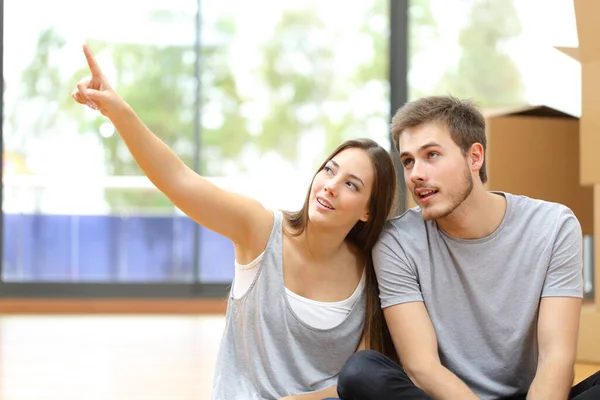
(462, 118)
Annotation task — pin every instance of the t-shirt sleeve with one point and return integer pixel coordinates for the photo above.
(565, 272)
(398, 283)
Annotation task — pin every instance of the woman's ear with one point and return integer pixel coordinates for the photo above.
(365, 217)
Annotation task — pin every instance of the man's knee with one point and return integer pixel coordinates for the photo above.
(360, 371)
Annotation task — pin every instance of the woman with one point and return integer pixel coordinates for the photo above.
(297, 308)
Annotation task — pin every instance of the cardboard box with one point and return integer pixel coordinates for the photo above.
(587, 14)
(588, 345)
(534, 151)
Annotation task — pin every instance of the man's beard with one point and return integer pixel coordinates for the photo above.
(456, 199)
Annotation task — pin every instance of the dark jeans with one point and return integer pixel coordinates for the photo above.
(371, 375)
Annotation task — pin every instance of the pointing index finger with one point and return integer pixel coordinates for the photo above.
(91, 60)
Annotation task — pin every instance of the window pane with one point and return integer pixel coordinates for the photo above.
(284, 83)
(76, 206)
(497, 52)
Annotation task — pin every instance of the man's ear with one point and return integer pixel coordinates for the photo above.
(476, 157)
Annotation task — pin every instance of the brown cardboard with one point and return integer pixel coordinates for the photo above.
(587, 15)
(588, 346)
(534, 151)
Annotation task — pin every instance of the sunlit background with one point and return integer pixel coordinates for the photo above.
(251, 94)
(281, 84)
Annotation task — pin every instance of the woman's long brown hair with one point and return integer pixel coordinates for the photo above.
(377, 334)
(364, 235)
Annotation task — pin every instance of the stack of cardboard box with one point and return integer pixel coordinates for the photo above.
(587, 14)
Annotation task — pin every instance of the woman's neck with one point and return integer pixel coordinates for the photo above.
(320, 245)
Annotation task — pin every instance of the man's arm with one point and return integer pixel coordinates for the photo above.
(558, 327)
(416, 343)
(408, 320)
(560, 307)
(320, 395)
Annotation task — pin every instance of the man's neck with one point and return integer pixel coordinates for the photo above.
(477, 217)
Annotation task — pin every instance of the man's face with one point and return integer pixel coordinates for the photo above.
(436, 171)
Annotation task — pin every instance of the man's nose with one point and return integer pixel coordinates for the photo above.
(417, 173)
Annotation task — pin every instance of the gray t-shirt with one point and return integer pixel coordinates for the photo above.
(482, 295)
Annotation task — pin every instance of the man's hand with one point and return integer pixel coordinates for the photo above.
(558, 328)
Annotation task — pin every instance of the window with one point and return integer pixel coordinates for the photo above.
(269, 91)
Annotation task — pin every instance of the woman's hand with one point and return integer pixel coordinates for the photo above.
(95, 91)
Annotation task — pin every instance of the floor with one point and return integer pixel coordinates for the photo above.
(114, 357)
(95, 357)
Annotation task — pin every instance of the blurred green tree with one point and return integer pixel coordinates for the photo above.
(297, 73)
(485, 72)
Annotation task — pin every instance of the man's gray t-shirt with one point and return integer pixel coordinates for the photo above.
(482, 295)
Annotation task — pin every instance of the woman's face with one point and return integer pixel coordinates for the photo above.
(341, 191)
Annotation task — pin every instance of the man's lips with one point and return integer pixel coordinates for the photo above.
(425, 193)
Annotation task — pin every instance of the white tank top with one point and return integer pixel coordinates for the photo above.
(318, 314)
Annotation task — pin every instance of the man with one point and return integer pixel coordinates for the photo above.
(481, 290)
